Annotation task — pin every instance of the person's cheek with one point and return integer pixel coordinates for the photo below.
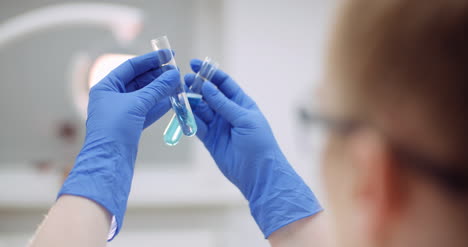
(329, 176)
(335, 180)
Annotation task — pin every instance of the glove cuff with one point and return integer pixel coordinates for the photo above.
(281, 198)
(103, 176)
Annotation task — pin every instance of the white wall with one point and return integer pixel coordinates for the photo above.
(274, 49)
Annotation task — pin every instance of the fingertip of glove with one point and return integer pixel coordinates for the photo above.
(195, 64)
(172, 74)
(188, 78)
(208, 89)
(170, 78)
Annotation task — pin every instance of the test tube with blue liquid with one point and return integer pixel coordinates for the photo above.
(179, 100)
(173, 131)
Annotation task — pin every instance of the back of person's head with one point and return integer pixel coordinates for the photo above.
(397, 79)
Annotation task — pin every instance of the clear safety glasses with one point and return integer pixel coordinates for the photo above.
(450, 176)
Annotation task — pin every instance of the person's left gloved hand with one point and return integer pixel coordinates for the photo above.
(121, 105)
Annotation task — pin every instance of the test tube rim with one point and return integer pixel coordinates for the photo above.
(213, 68)
(159, 39)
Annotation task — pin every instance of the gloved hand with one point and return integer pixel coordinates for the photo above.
(121, 105)
(241, 142)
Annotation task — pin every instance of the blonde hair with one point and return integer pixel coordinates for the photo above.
(394, 55)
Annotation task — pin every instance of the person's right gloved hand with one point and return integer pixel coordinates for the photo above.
(241, 142)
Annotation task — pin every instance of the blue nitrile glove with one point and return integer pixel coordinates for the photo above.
(127, 100)
(240, 140)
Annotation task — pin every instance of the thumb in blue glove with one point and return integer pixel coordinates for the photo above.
(121, 105)
(241, 142)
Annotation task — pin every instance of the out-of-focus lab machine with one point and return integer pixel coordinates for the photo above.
(53, 54)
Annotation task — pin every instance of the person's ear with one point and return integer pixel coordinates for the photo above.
(378, 189)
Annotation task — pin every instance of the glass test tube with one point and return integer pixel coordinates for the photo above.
(173, 133)
(179, 100)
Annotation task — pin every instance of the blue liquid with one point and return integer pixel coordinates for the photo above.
(179, 100)
(173, 132)
(184, 114)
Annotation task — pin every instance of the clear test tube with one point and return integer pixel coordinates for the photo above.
(179, 100)
(173, 131)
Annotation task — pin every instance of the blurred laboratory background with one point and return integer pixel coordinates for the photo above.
(52, 51)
